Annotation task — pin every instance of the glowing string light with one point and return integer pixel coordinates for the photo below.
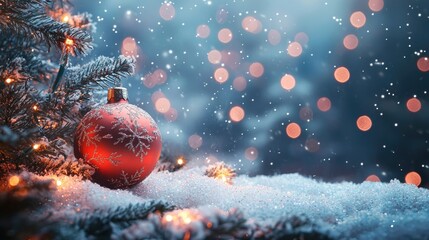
(181, 161)
(36, 146)
(14, 180)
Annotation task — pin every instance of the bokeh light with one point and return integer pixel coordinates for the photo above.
(324, 104)
(350, 42)
(236, 114)
(414, 105)
(221, 75)
(239, 84)
(358, 19)
(372, 178)
(312, 145)
(274, 37)
(162, 105)
(305, 113)
(376, 5)
(413, 178)
(251, 24)
(157, 95)
(171, 115)
(342, 74)
(294, 49)
(224, 35)
(251, 153)
(214, 56)
(14, 180)
(159, 76)
(302, 38)
(195, 141)
(256, 69)
(423, 64)
(203, 31)
(167, 11)
(129, 47)
(287, 82)
(364, 123)
(293, 130)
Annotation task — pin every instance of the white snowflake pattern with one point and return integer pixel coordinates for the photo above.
(87, 136)
(126, 180)
(138, 138)
(113, 158)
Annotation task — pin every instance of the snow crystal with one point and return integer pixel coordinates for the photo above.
(362, 211)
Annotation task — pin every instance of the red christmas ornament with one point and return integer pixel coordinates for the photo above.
(121, 141)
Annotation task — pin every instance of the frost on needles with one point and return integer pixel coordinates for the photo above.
(31, 117)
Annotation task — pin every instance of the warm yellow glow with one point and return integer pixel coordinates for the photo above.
(36, 146)
(9, 80)
(181, 217)
(35, 108)
(181, 161)
(222, 177)
(66, 18)
(225, 175)
(168, 218)
(13, 181)
(187, 220)
(69, 42)
(59, 183)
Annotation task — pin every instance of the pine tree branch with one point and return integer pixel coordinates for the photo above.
(103, 72)
(188, 224)
(100, 223)
(293, 227)
(28, 19)
(28, 193)
(67, 167)
(16, 104)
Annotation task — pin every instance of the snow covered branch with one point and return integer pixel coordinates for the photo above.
(28, 20)
(103, 71)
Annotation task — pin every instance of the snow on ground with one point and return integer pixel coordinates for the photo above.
(364, 211)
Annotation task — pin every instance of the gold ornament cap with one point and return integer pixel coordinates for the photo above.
(116, 94)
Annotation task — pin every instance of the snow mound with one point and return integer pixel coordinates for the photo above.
(362, 211)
